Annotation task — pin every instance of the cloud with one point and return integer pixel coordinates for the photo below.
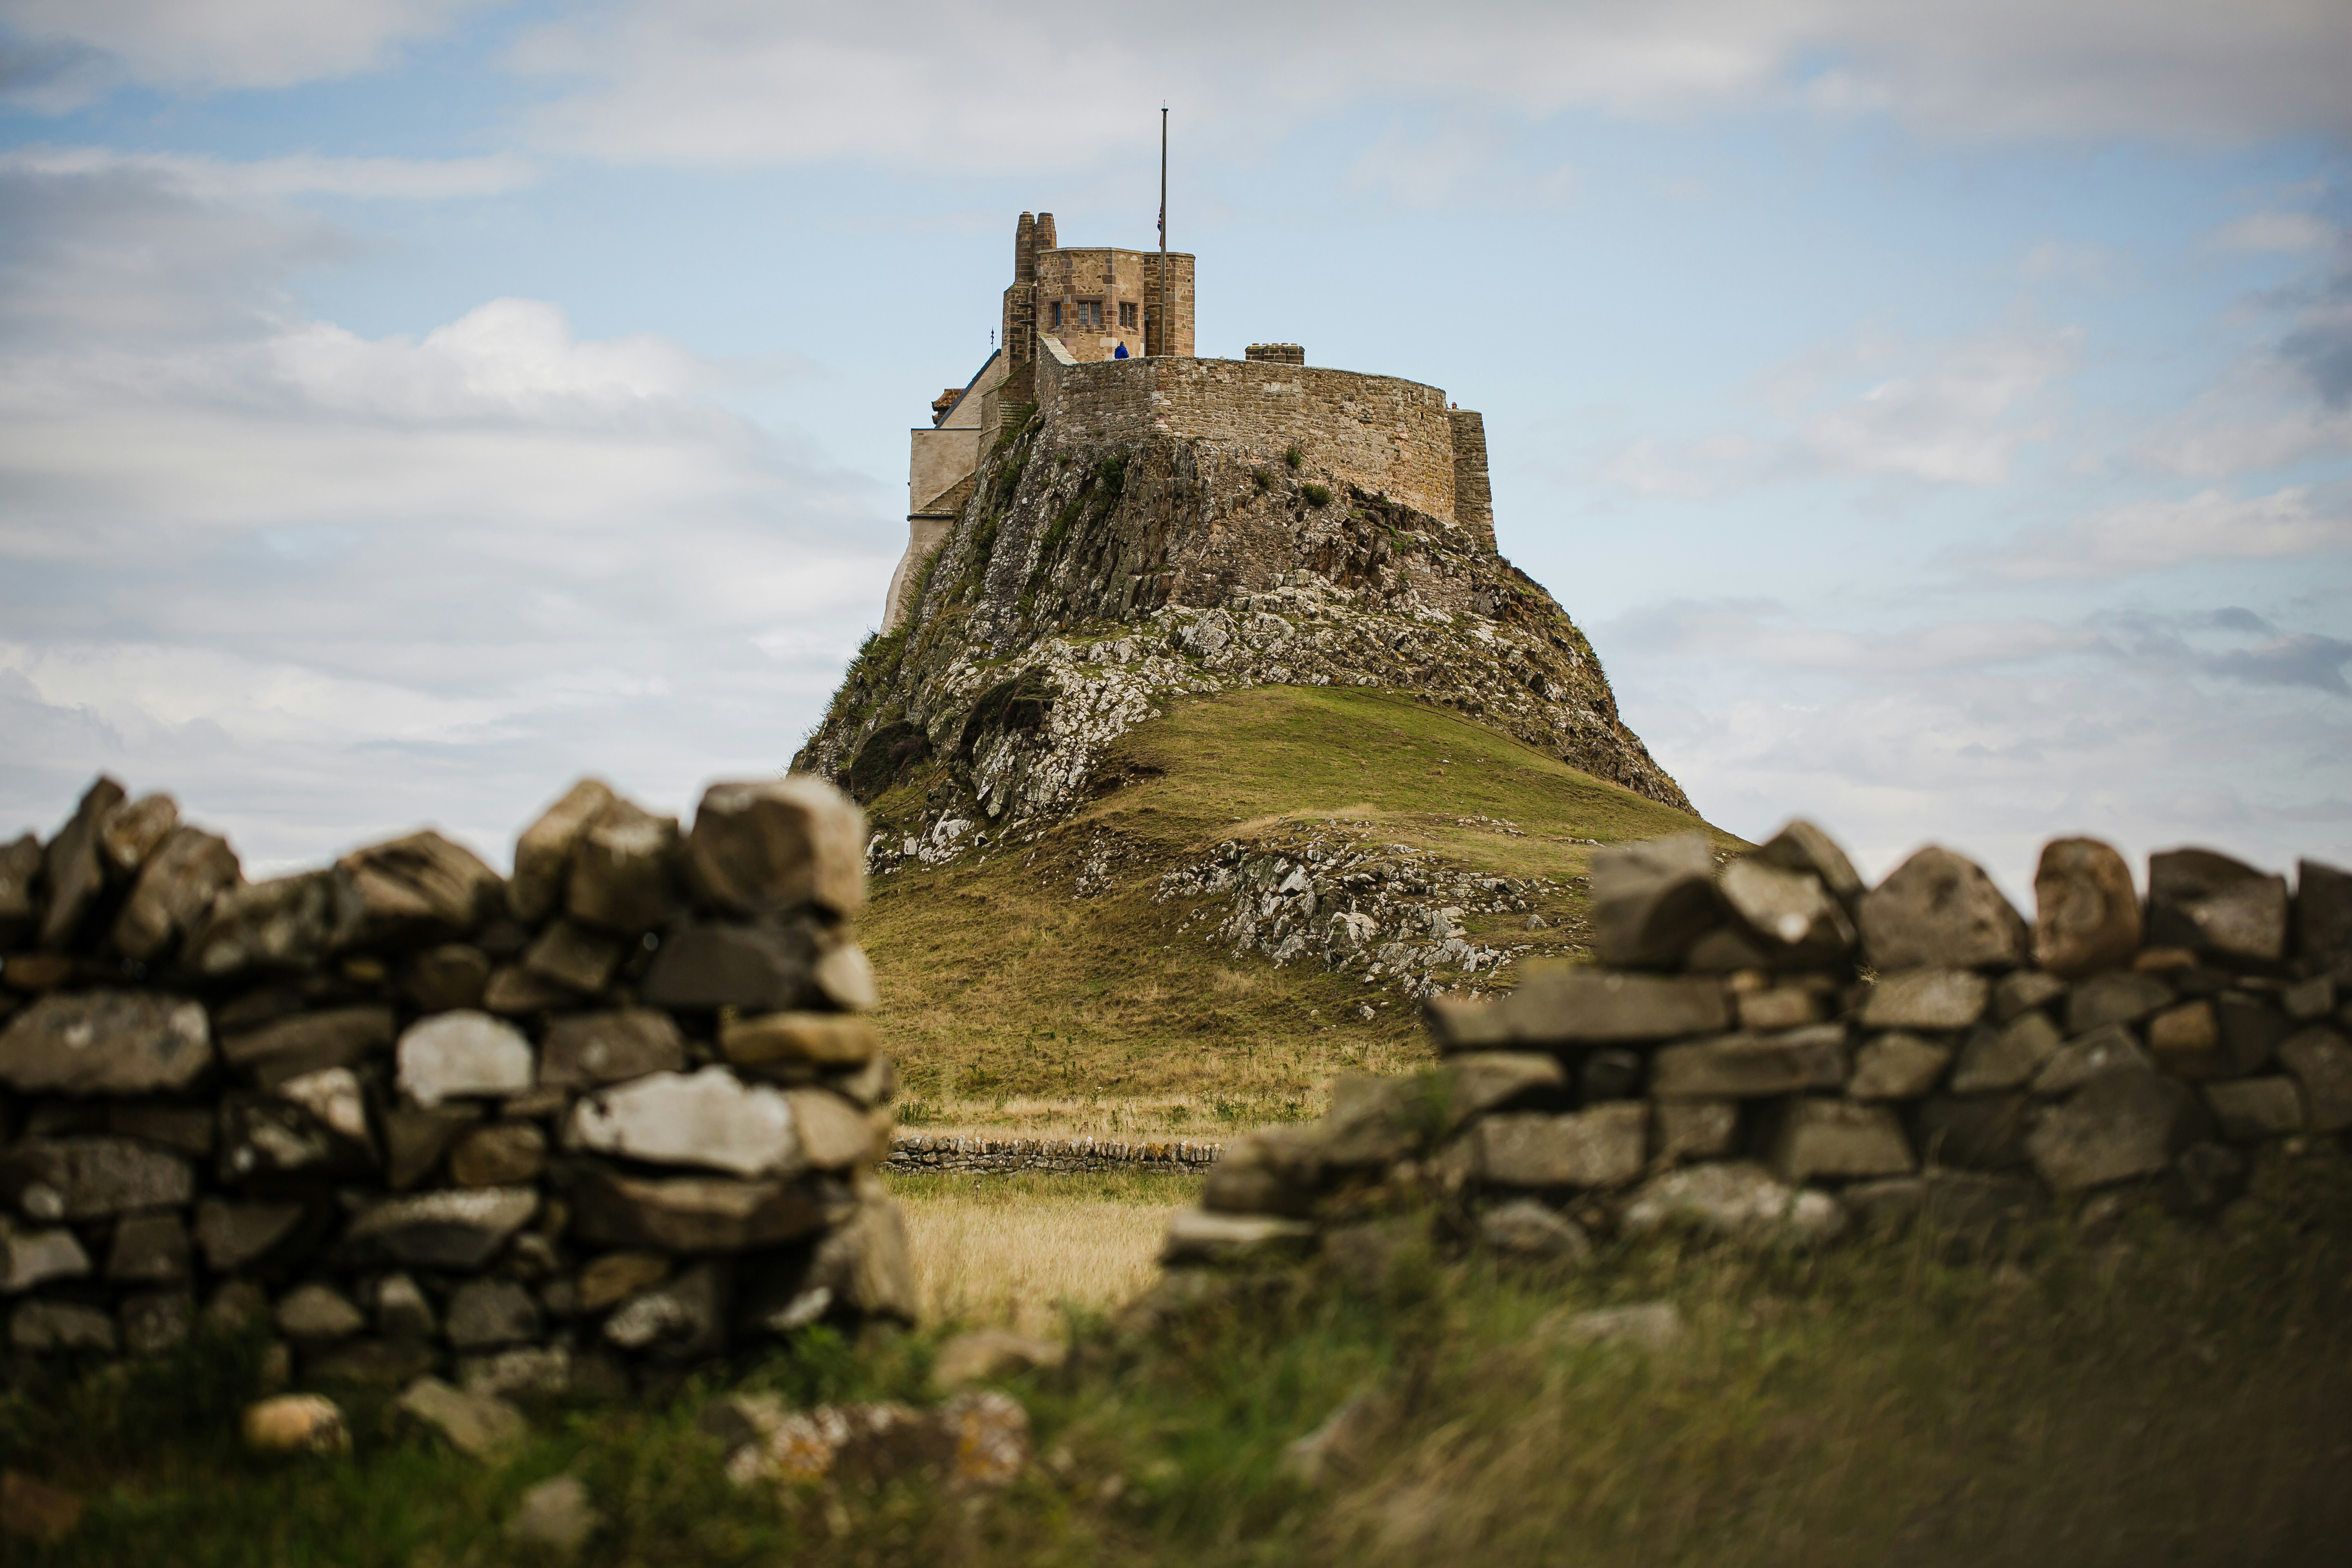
(2272, 231)
(320, 583)
(89, 44)
(2150, 535)
(216, 179)
(1461, 160)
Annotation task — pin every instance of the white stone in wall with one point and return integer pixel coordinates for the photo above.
(459, 1054)
(710, 1119)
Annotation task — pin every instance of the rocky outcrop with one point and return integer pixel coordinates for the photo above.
(1085, 585)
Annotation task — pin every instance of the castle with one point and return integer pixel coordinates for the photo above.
(1085, 339)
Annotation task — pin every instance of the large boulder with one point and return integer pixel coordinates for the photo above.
(106, 1042)
(176, 885)
(767, 846)
(421, 888)
(623, 871)
(2204, 900)
(1789, 915)
(1939, 910)
(2086, 913)
(1650, 900)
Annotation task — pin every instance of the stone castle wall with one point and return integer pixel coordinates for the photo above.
(1385, 435)
(610, 1117)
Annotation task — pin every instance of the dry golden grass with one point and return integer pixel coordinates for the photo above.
(1016, 1250)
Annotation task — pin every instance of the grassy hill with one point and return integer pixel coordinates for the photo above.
(1043, 983)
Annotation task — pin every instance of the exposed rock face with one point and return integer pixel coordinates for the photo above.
(1086, 583)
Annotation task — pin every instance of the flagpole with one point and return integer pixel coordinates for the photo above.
(1164, 300)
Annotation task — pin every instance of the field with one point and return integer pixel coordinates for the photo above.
(1011, 1001)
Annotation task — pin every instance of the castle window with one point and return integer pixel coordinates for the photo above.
(1058, 315)
(1126, 315)
(1089, 314)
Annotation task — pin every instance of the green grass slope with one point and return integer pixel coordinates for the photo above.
(1042, 985)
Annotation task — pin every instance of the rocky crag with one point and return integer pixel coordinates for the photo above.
(1087, 583)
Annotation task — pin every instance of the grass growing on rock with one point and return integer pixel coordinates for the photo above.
(2152, 1393)
(1020, 989)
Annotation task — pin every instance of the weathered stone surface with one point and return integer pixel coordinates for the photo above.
(1480, 1081)
(585, 1049)
(1802, 847)
(461, 1230)
(1202, 1236)
(531, 1372)
(333, 1098)
(542, 856)
(91, 1178)
(1683, 1130)
(316, 1313)
(834, 1134)
(2322, 918)
(709, 1119)
(478, 1424)
(422, 888)
(149, 1249)
(682, 1319)
(32, 1255)
(296, 1424)
(1275, 1170)
(416, 1137)
(236, 1235)
(1726, 949)
(264, 1135)
(1896, 1066)
(1527, 1228)
(445, 978)
(175, 887)
(863, 1263)
(616, 1276)
(1967, 1203)
(1603, 1147)
(555, 1516)
(1939, 910)
(370, 1362)
(401, 1312)
(72, 868)
(132, 831)
(2309, 1001)
(105, 1042)
(2320, 1062)
(1374, 1121)
(2023, 989)
(514, 991)
(1977, 1132)
(2225, 1036)
(20, 873)
(2086, 913)
(985, 1355)
(820, 1039)
(758, 968)
(2209, 903)
(451, 1055)
(2249, 1109)
(62, 1326)
(623, 869)
(1779, 1007)
(764, 846)
(287, 922)
(1747, 1066)
(1737, 1201)
(574, 956)
(1811, 1137)
(2123, 1123)
(1585, 1006)
(692, 1213)
(1925, 999)
(186, 1127)
(2080, 1060)
(308, 1042)
(2006, 1057)
(1651, 900)
(2122, 998)
(487, 1314)
(501, 1154)
(1789, 915)
(845, 977)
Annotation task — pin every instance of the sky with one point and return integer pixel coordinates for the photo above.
(1940, 418)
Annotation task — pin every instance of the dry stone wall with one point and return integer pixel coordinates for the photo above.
(609, 1117)
(1769, 1050)
(972, 1154)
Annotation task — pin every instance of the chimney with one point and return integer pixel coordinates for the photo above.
(1045, 240)
(1025, 249)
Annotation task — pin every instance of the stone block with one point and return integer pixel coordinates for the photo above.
(1939, 910)
(845, 977)
(286, 923)
(1942, 999)
(421, 888)
(236, 1235)
(2323, 919)
(2208, 902)
(445, 978)
(1606, 1146)
(31, 1256)
(614, 1276)
(798, 1040)
(314, 1314)
(585, 1049)
(524, 1372)
(571, 955)
(1975, 1133)
(1737, 1202)
(756, 968)
(2118, 998)
(834, 1135)
(1650, 900)
(454, 1055)
(555, 1517)
(2229, 1035)
(308, 1042)
(2126, 1122)
(174, 888)
(1779, 1007)
(1374, 1121)
(477, 1424)
(1479, 1081)
(1749, 1066)
(2006, 1057)
(986, 1355)
(2320, 1062)
(134, 830)
(77, 1179)
(296, 1423)
(2087, 916)
(709, 1119)
(1593, 1007)
(73, 870)
(542, 856)
(1789, 915)
(766, 847)
(862, 1263)
(1685, 1129)
(62, 1326)
(2081, 1059)
(416, 1137)
(401, 1312)
(150, 1249)
(2309, 1001)
(515, 992)
(1812, 1137)
(105, 1042)
(459, 1230)
(1200, 1235)
(2249, 1109)
(1802, 847)
(497, 1154)
(682, 1319)
(2023, 989)
(1897, 1066)
(485, 1314)
(1726, 949)
(693, 1213)
(623, 871)
(1525, 1227)
(1275, 1170)
(20, 874)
